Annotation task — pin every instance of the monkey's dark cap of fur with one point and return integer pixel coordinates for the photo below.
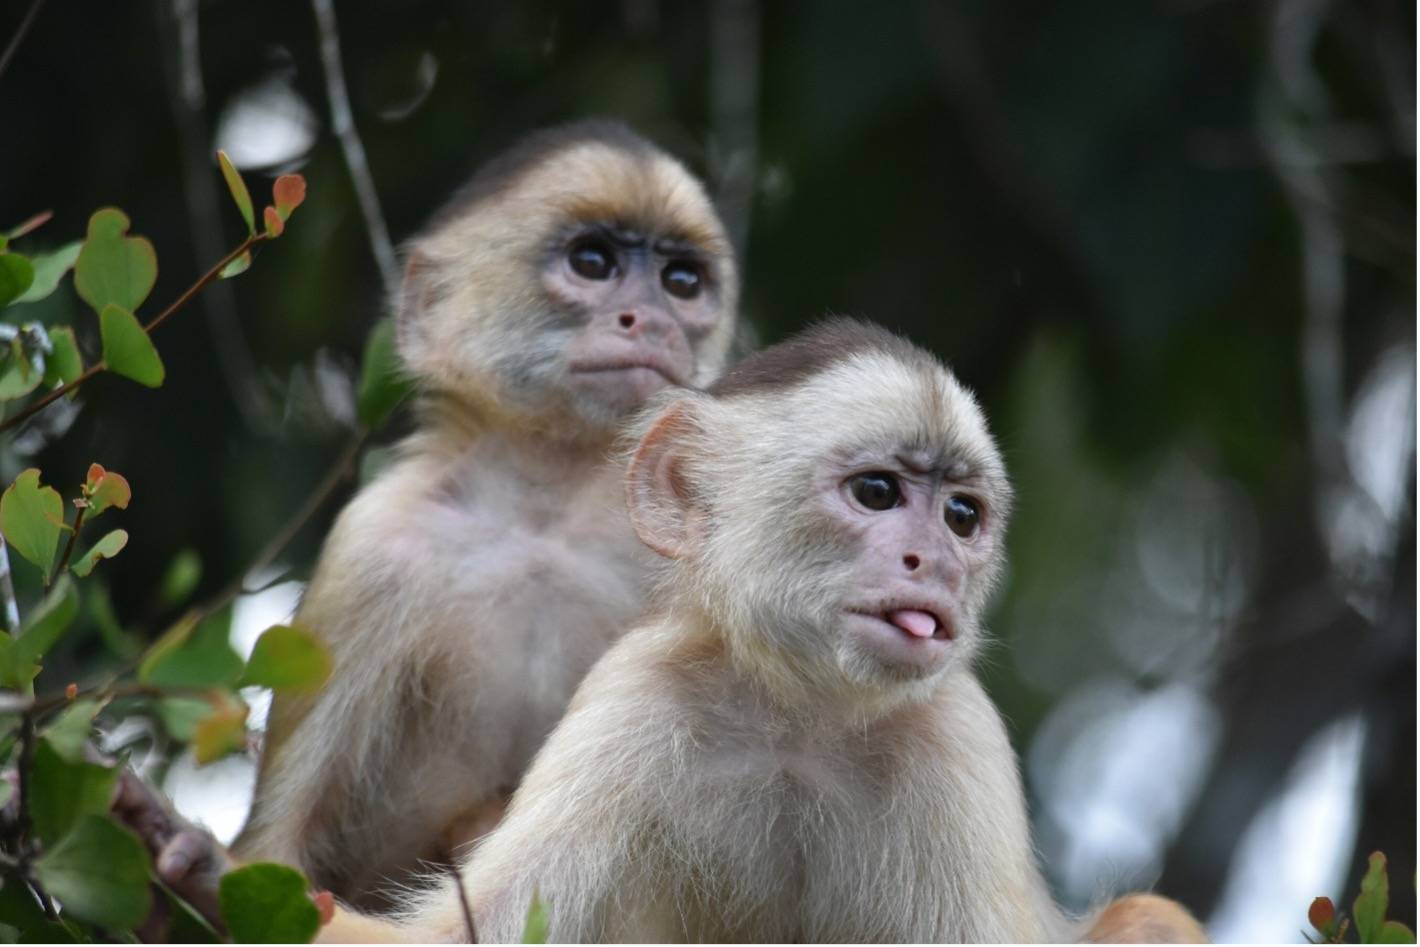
(813, 351)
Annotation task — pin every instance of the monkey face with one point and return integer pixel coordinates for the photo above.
(638, 310)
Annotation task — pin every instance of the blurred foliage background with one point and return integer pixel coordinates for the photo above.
(1171, 244)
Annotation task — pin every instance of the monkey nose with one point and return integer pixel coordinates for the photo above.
(911, 562)
(626, 320)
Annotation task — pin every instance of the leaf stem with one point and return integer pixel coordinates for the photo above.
(23, 822)
(69, 546)
(34, 407)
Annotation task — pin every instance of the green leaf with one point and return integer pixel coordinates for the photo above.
(69, 734)
(288, 659)
(99, 872)
(18, 907)
(65, 363)
(48, 621)
(49, 270)
(113, 269)
(31, 518)
(188, 656)
(187, 926)
(181, 715)
(238, 187)
(16, 275)
(127, 349)
(62, 792)
(383, 383)
(109, 546)
(237, 267)
(1368, 910)
(535, 927)
(181, 579)
(125, 644)
(222, 731)
(1394, 932)
(18, 375)
(268, 904)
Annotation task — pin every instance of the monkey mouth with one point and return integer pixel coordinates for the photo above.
(625, 364)
(916, 623)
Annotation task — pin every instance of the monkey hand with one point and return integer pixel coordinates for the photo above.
(186, 857)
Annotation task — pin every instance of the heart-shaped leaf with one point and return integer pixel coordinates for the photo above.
(107, 547)
(64, 791)
(288, 659)
(49, 270)
(16, 275)
(99, 872)
(238, 187)
(31, 517)
(192, 655)
(64, 364)
(268, 904)
(114, 269)
(221, 732)
(127, 349)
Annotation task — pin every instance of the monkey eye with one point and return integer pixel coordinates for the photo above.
(962, 516)
(682, 279)
(877, 490)
(592, 259)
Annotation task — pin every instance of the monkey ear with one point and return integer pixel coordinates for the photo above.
(660, 497)
(415, 295)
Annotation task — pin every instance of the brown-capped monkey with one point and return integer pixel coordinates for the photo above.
(793, 747)
(466, 591)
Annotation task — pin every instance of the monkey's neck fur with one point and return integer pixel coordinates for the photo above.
(548, 447)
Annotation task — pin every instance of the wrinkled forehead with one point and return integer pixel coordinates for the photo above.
(871, 405)
(647, 192)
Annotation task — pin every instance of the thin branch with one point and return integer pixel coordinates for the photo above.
(189, 103)
(69, 546)
(34, 407)
(19, 35)
(23, 822)
(7, 590)
(343, 123)
(457, 875)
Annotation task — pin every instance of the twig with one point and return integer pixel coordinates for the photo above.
(457, 875)
(19, 35)
(23, 821)
(34, 407)
(189, 103)
(7, 590)
(343, 123)
(68, 547)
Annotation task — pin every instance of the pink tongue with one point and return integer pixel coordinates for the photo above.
(921, 624)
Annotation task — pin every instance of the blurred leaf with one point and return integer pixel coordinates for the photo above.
(68, 734)
(127, 349)
(104, 488)
(1394, 932)
(268, 904)
(29, 225)
(1368, 910)
(535, 927)
(180, 715)
(238, 187)
(113, 269)
(237, 267)
(222, 731)
(16, 275)
(383, 384)
(188, 656)
(49, 269)
(183, 574)
(110, 545)
(274, 224)
(31, 517)
(99, 872)
(286, 658)
(63, 792)
(47, 622)
(65, 363)
(18, 907)
(288, 192)
(125, 644)
(187, 926)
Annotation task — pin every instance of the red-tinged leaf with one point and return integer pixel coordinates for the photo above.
(238, 187)
(288, 191)
(31, 225)
(104, 488)
(222, 732)
(274, 222)
(1322, 915)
